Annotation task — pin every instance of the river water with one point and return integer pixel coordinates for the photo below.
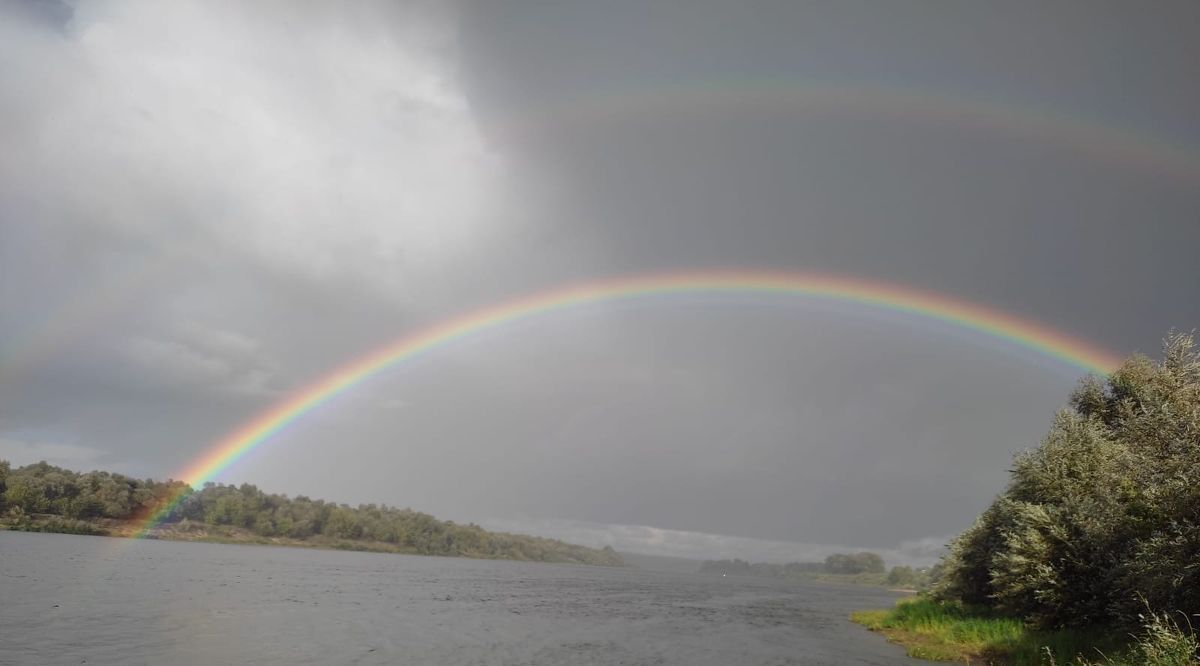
(96, 600)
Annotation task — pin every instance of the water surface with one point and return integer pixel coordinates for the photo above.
(74, 599)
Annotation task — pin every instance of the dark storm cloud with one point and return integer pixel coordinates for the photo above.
(1072, 235)
(1018, 221)
(205, 205)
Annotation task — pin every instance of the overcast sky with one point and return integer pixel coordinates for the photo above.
(206, 205)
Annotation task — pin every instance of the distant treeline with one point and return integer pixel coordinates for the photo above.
(737, 567)
(42, 497)
(870, 567)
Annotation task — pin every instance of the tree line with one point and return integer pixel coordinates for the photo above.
(42, 497)
(844, 564)
(1101, 522)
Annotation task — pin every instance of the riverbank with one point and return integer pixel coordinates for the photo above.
(949, 632)
(44, 498)
(550, 551)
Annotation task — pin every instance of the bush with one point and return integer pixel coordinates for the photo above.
(1104, 515)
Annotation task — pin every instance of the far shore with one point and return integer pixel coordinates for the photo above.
(225, 534)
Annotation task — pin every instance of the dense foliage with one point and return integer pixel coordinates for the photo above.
(864, 562)
(42, 497)
(838, 563)
(48, 490)
(904, 576)
(1103, 519)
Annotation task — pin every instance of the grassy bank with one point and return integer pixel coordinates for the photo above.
(947, 632)
(950, 632)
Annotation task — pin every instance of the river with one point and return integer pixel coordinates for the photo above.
(75, 599)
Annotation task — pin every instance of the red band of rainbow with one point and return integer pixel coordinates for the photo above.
(988, 321)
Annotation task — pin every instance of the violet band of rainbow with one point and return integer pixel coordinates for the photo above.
(887, 296)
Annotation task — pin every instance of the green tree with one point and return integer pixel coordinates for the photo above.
(902, 576)
(4, 470)
(856, 563)
(1104, 516)
(42, 497)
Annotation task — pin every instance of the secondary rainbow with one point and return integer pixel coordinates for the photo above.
(938, 307)
(1174, 157)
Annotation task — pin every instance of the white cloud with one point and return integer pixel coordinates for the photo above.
(323, 143)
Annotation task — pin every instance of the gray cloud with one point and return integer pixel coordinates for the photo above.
(205, 206)
(21, 452)
(202, 357)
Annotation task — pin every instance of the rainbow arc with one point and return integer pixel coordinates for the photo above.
(954, 313)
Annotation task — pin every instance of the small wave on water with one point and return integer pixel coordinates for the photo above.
(66, 600)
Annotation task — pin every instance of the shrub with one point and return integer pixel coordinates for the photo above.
(1104, 515)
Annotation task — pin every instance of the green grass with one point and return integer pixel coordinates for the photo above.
(950, 632)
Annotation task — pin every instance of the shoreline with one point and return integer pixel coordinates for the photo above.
(949, 632)
(224, 534)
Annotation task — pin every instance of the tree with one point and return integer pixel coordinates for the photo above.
(863, 562)
(4, 470)
(902, 576)
(48, 498)
(1103, 517)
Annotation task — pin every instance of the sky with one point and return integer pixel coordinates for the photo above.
(205, 206)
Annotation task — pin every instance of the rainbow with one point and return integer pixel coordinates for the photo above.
(889, 297)
(1169, 157)
(1172, 157)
